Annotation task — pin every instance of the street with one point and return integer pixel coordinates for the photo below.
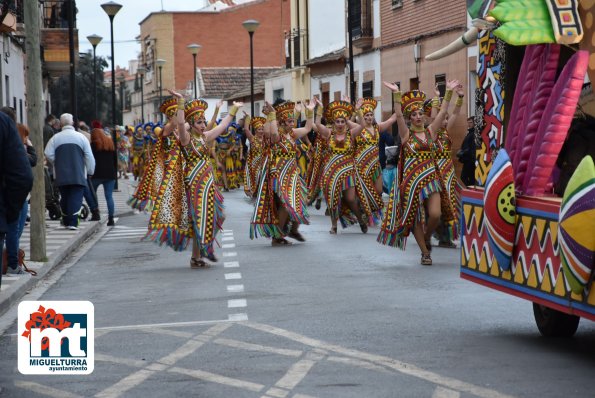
(336, 316)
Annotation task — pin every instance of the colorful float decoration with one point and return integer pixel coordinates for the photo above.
(577, 218)
(543, 249)
(500, 211)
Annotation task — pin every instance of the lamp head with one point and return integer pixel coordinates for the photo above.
(94, 39)
(251, 25)
(160, 62)
(141, 70)
(111, 8)
(194, 48)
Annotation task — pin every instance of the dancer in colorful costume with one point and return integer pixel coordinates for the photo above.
(204, 198)
(367, 158)
(255, 134)
(138, 152)
(224, 157)
(281, 201)
(340, 180)
(418, 198)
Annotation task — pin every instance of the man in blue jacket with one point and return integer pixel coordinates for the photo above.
(70, 153)
(16, 177)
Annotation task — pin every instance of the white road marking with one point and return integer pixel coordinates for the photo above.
(215, 378)
(167, 332)
(235, 288)
(230, 254)
(441, 392)
(238, 317)
(258, 347)
(277, 392)
(44, 389)
(228, 245)
(169, 324)
(302, 396)
(231, 264)
(138, 377)
(357, 362)
(401, 367)
(236, 303)
(233, 275)
(227, 238)
(295, 374)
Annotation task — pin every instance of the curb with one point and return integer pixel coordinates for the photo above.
(28, 282)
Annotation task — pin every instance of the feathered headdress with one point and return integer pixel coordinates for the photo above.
(369, 105)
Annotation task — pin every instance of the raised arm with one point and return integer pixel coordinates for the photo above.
(303, 131)
(210, 135)
(437, 123)
(214, 118)
(457, 109)
(322, 129)
(248, 127)
(403, 129)
(183, 134)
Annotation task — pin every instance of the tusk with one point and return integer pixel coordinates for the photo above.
(468, 38)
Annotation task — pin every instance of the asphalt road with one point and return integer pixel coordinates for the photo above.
(337, 316)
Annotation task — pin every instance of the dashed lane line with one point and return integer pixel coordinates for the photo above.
(231, 264)
(237, 303)
(233, 276)
(235, 288)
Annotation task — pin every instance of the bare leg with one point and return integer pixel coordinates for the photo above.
(434, 213)
(378, 184)
(418, 233)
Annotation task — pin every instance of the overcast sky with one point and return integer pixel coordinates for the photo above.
(91, 19)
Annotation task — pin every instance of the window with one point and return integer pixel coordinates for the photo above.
(397, 3)
(368, 89)
(277, 94)
(355, 22)
(414, 83)
(440, 81)
(337, 96)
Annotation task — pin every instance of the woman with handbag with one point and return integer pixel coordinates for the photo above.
(418, 199)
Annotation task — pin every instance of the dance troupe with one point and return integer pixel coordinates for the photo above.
(179, 185)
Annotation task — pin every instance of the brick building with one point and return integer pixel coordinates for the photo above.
(410, 31)
(225, 44)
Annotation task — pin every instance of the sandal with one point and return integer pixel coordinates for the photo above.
(280, 242)
(333, 231)
(364, 227)
(211, 257)
(426, 259)
(197, 263)
(297, 236)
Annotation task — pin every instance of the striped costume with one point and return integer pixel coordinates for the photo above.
(148, 187)
(315, 169)
(366, 154)
(138, 153)
(280, 182)
(452, 197)
(205, 201)
(417, 177)
(253, 166)
(340, 173)
(169, 222)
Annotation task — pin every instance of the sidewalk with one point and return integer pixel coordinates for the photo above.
(59, 243)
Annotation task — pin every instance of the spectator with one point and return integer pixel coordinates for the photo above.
(70, 153)
(88, 193)
(48, 129)
(15, 229)
(16, 178)
(466, 155)
(105, 170)
(388, 156)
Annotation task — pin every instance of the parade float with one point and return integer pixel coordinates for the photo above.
(535, 57)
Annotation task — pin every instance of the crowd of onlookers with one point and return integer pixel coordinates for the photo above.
(78, 160)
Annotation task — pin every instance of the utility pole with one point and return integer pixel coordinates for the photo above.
(35, 112)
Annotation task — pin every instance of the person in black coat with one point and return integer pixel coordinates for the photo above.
(16, 177)
(466, 155)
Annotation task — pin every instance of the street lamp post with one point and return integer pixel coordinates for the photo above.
(141, 71)
(194, 49)
(121, 80)
(94, 40)
(160, 62)
(111, 9)
(251, 25)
